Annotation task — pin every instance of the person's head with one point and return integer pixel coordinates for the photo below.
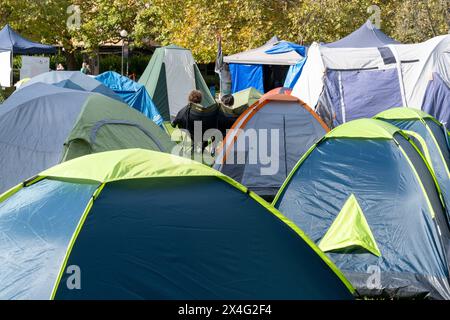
(195, 97)
(84, 65)
(227, 100)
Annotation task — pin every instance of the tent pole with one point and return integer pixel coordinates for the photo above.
(12, 68)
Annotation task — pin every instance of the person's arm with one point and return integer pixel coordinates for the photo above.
(178, 121)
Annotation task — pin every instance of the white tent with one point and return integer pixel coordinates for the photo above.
(355, 82)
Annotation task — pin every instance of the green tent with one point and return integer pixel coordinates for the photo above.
(42, 125)
(244, 99)
(140, 224)
(169, 78)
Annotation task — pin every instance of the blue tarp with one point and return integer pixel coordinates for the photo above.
(436, 100)
(132, 93)
(244, 76)
(285, 47)
(294, 70)
(366, 36)
(293, 74)
(10, 40)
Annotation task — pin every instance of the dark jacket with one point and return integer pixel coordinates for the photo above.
(225, 120)
(193, 112)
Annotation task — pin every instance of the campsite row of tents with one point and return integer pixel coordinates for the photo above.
(360, 206)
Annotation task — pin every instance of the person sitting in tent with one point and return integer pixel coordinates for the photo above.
(193, 115)
(225, 118)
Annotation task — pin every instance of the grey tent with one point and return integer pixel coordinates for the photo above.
(368, 35)
(283, 127)
(72, 80)
(42, 125)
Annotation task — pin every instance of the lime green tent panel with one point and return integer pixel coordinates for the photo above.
(364, 128)
(350, 229)
(244, 99)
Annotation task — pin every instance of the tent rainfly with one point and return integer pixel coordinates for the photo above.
(366, 196)
(344, 84)
(42, 125)
(366, 36)
(74, 80)
(284, 127)
(139, 224)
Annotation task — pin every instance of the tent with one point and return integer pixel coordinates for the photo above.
(368, 35)
(266, 67)
(169, 78)
(432, 139)
(10, 40)
(280, 90)
(267, 140)
(42, 125)
(244, 99)
(344, 84)
(74, 80)
(436, 99)
(132, 93)
(138, 224)
(366, 196)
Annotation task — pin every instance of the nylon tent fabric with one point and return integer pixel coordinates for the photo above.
(244, 99)
(133, 93)
(10, 40)
(74, 80)
(360, 94)
(283, 128)
(434, 136)
(169, 78)
(435, 101)
(368, 35)
(373, 161)
(126, 218)
(42, 125)
(349, 229)
(411, 67)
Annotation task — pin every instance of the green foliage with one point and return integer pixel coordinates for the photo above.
(137, 64)
(195, 24)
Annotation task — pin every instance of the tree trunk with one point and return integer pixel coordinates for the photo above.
(71, 61)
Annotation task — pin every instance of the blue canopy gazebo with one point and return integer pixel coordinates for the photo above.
(13, 42)
(10, 40)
